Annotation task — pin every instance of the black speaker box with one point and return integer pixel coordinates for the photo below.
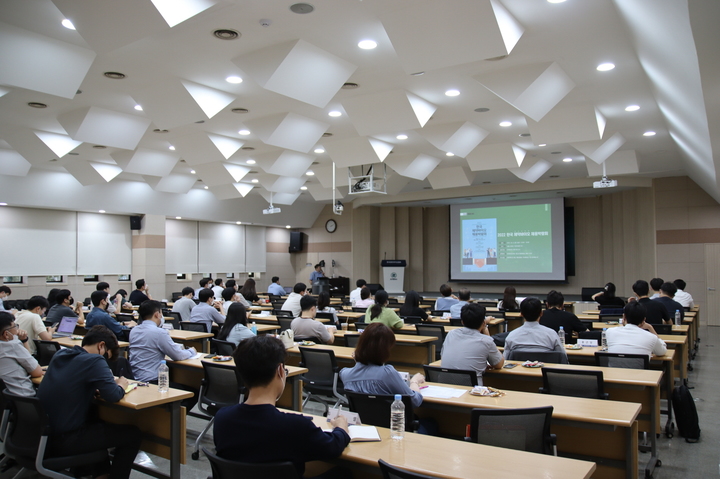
(135, 222)
(296, 241)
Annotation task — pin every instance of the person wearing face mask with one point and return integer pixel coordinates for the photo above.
(30, 320)
(17, 365)
(150, 343)
(66, 393)
(99, 316)
(62, 309)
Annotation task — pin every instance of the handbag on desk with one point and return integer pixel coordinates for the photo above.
(288, 338)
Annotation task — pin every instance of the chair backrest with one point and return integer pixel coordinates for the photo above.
(428, 302)
(321, 365)
(278, 304)
(224, 469)
(573, 382)
(610, 317)
(374, 409)
(495, 314)
(45, 351)
(87, 301)
(437, 330)
(175, 296)
(29, 422)
(456, 322)
(621, 360)
(411, 319)
(663, 328)
(438, 312)
(392, 472)
(122, 317)
(283, 313)
(176, 319)
(351, 340)
(359, 310)
(284, 323)
(274, 298)
(597, 335)
(618, 311)
(120, 366)
(360, 325)
(223, 348)
(526, 429)
(460, 377)
(325, 316)
(220, 387)
(190, 326)
(554, 357)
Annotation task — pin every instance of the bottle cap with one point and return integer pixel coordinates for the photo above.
(398, 397)
(163, 362)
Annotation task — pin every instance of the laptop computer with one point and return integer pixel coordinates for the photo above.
(66, 328)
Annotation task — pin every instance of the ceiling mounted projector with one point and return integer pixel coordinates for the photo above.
(271, 210)
(605, 183)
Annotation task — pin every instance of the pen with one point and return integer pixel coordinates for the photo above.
(423, 387)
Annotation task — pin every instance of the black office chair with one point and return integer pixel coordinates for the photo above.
(573, 382)
(436, 330)
(219, 389)
(411, 319)
(605, 317)
(197, 327)
(176, 319)
(360, 325)
(621, 360)
(459, 377)
(499, 339)
(284, 323)
(596, 335)
(175, 296)
(27, 439)
(663, 328)
(495, 314)
(526, 429)
(282, 313)
(322, 379)
(374, 409)
(552, 357)
(438, 312)
(329, 316)
(223, 348)
(87, 301)
(359, 310)
(277, 305)
(122, 317)
(391, 472)
(121, 367)
(45, 350)
(611, 310)
(274, 298)
(351, 340)
(455, 322)
(224, 469)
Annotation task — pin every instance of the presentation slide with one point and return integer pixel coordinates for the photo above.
(508, 241)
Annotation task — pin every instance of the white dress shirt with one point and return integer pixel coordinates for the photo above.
(631, 339)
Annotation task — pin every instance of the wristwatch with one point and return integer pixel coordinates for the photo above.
(24, 340)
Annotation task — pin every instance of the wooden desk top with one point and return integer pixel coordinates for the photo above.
(261, 308)
(272, 317)
(411, 327)
(589, 351)
(184, 335)
(451, 459)
(682, 329)
(342, 352)
(674, 339)
(399, 338)
(350, 314)
(197, 363)
(69, 343)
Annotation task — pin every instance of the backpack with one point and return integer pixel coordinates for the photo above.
(686, 416)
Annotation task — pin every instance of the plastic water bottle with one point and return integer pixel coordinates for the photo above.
(678, 319)
(253, 328)
(603, 340)
(397, 418)
(561, 335)
(163, 377)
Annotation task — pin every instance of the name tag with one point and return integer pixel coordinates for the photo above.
(587, 342)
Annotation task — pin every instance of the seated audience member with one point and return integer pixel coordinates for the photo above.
(275, 288)
(185, 304)
(365, 300)
(61, 309)
(555, 315)
(636, 336)
(140, 294)
(67, 392)
(124, 303)
(324, 306)
(231, 283)
(112, 301)
(205, 283)
(411, 306)
(5, 291)
(52, 294)
(235, 328)
(30, 320)
(150, 343)
(205, 312)
(305, 326)
(532, 336)
(355, 293)
(380, 313)
(667, 295)
(248, 291)
(230, 296)
(17, 366)
(292, 303)
(98, 316)
(681, 296)
(447, 299)
(276, 436)
(471, 347)
(509, 301)
(607, 298)
(218, 289)
(655, 284)
(464, 298)
(655, 313)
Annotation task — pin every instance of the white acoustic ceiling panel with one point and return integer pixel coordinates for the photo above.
(357, 151)
(459, 138)
(12, 163)
(214, 174)
(197, 149)
(323, 194)
(413, 166)
(452, 177)
(299, 70)
(532, 89)
(531, 170)
(4, 91)
(105, 127)
(43, 64)
(568, 124)
(286, 184)
(172, 183)
(226, 145)
(210, 100)
(324, 175)
(288, 130)
(177, 11)
(108, 172)
(226, 192)
(145, 161)
(166, 102)
(285, 163)
(401, 110)
(280, 198)
(619, 163)
(495, 156)
(61, 145)
(25, 142)
(395, 183)
(84, 173)
(600, 150)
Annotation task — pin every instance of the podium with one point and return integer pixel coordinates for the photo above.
(394, 275)
(321, 285)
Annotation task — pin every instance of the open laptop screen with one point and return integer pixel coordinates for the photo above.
(67, 325)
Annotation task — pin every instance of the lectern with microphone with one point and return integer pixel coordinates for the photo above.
(394, 275)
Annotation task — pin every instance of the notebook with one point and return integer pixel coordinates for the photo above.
(66, 328)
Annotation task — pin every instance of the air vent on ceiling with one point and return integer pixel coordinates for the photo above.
(301, 8)
(524, 135)
(482, 110)
(240, 110)
(349, 86)
(556, 152)
(554, 176)
(158, 130)
(326, 134)
(486, 182)
(36, 104)
(200, 121)
(99, 147)
(73, 153)
(247, 148)
(226, 34)
(114, 75)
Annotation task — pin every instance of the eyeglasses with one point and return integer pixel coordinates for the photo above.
(15, 326)
(286, 371)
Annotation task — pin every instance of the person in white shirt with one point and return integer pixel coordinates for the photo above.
(185, 305)
(292, 303)
(365, 300)
(5, 291)
(230, 296)
(681, 296)
(355, 293)
(218, 289)
(636, 336)
(204, 284)
(30, 320)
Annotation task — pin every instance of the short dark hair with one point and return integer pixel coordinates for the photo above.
(445, 290)
(187, 290)
(307, 302)
(204, 282)
(139, 283)
(5, 289)
(669, 289)
(555, 298)
(257, 359)
(634, 313)
(531, 308)
(275, 279)
(472, 315)
(655, 283)
(299, 288)
(36, 301)
(680, 284)
(464, 294)
(230, 283)
(62, 295)
(102, 334)
(364, 293)
(218, 282)
(228, 293)
(97, 296)
(148, 309)
(641, 287)
(6, 320)
(360, 283)
(316, 266)
(205, 294)
(102, 286)
(375, 344)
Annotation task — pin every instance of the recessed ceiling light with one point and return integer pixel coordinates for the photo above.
(37, 104)
(3, 204)
(244, 132)
(171, 148)
(632, 108)
(649, 133)
(200, 121)
(238, 222)
(556, 1)
(310, 173)
(192, 172)
(542, 144)
(73, 153)
(240, 110)
(402, 137)
(250, 161)
(68, 24)
(303, 188)
(481, 109)
(233, 79)
(452, 92)
(287, 226)
(205, 187)
(158, 130)
(524, 135)
(349, 86)
(114, 75)
(99, 147)
(319, 150)
(248, 148)
(449, 154)
(226, 34)
(254, 180)
(301, 8)
(367, 44)
(505, 123)
(327, 134)
(334, 113)
(605, 67)
(101, 211)
(567, 160)
(138, 108)
(178, 217)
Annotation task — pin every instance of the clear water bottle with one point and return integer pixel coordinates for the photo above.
(603, 340)
(253, 328)
(678, 318)
(163, 377)
(397, 418)
(561, 335)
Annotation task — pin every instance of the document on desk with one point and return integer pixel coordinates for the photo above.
(440, 392)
